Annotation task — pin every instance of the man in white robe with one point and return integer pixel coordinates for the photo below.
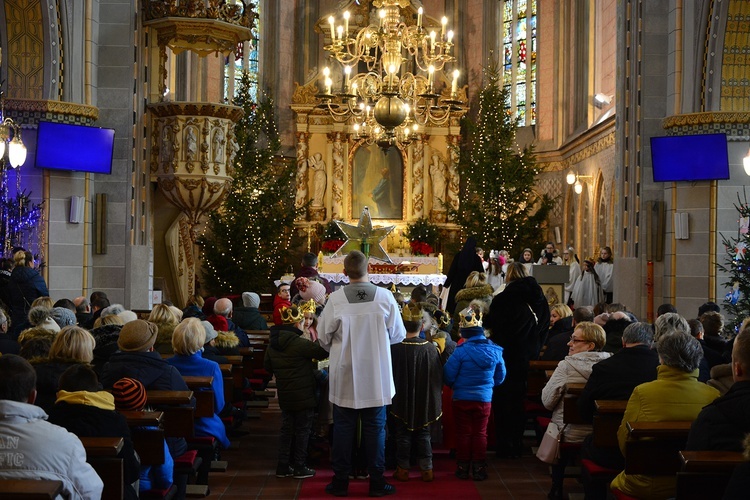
(357, 327)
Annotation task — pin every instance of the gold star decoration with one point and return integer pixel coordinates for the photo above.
(364, 237)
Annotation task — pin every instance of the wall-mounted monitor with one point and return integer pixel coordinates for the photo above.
(701, 157)
(64, 146)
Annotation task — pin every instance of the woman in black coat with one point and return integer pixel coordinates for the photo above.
(463, 264)
(519, 322)
(25, 285)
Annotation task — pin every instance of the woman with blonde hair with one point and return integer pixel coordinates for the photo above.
(187, 341)
(584, 351)
(163, 317)
(24, 286)
(72, 345)
(476, 288)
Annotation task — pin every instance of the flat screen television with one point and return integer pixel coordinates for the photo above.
(701, 157)
(64, 146)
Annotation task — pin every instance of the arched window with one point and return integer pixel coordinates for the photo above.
(245, 57)
(519, 58)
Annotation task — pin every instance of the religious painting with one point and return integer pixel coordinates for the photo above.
(553, 293)
(378, 182)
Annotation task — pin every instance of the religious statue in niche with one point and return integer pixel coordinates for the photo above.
(438, 170)
(191, 144)
(165, 148)
(377, 182)
(318, 166)
(218, 145)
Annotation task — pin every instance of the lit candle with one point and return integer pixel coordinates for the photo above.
(391, 72)
(340, 31)
(326, 79)
(320, 258)
(329, 82)
(347, 72)
(448, 45)
(455, 82)
(443, 22)
(381, 13)
(346, 23)
(331, 20)
(430, 76)
(419, 17)
(440, 263)
(432, 41)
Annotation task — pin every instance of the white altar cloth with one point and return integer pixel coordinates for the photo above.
(389, 279)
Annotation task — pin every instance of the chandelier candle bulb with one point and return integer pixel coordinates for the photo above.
(340, 31)
(419, 17)
(443, 22)
(381, 13)
(347, 73)
(430, 76)
(432, 42)
(346, 23)
(331, 21)
(455, 82)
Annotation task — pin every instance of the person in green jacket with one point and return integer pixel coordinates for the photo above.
(290, 358)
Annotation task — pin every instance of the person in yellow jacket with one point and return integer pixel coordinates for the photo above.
(675, 395)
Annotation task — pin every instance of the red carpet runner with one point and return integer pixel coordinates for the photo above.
(445, 485)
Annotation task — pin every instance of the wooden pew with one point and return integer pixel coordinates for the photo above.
(537, 377)
(204, 396)
(657, 455)
(30, 489)
(177, 409)
(169, 398)
(607, 421)
(705, 474)
(101, 453)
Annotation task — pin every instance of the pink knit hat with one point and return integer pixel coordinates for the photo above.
(312, 290)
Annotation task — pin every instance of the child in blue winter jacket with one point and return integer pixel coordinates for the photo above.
(472, 371)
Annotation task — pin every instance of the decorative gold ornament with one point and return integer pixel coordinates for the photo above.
(288, 316)
(470, 318)
(364, 237)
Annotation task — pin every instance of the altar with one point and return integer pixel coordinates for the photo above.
(427, 274)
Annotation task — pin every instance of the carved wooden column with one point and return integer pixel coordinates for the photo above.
(418, 176)
(337, 186)
(454, 179)
(302, 147)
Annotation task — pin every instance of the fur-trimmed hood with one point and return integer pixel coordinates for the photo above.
(475, 292)
(227, 340)
(35, 332)
(165, 333)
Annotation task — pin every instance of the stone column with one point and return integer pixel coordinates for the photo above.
(337, 186)
(418, 176)
(302, 148)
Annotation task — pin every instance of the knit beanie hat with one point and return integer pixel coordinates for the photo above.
(210, 332)
(219, 322)
(137, 336)
(63, 316)
(127, 316)
(130, 395)
(313, 290)
(250, 299)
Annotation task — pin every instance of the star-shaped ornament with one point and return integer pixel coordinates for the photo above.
(364, 237)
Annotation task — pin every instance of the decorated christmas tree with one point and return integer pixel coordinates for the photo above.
(247, 240)
(499, 204)
(737, 267)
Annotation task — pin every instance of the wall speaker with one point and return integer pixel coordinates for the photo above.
(77, 205)
(681, 226)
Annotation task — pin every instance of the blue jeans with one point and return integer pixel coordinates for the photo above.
(373, 434)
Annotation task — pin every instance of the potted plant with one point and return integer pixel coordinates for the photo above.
(331, 238)
(422, 235)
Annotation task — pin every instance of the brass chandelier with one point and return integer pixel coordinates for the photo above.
(10, 136)
(389, 71)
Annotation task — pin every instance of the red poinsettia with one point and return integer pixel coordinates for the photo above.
(332, 245)
(420, 248)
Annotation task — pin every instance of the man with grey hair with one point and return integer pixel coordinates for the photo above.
(223, 307)
(615, 378)
(83, 310)
(675, 395)
(670, 322)
(7, 344)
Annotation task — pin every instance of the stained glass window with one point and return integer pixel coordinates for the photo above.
(519, 58)
(245, 58)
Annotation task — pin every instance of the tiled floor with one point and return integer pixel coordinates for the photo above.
(252, 464)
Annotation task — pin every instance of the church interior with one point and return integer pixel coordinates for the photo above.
(592, 82)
